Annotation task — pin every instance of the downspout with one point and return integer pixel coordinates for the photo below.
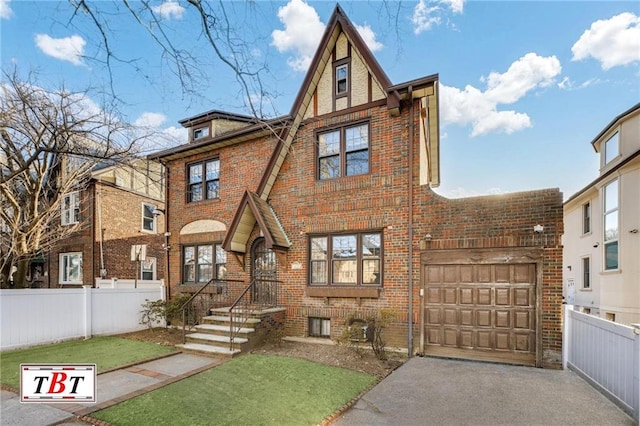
(101, 240)
(165, 182)
(410, 222)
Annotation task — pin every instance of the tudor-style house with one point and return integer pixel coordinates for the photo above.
(602, 227)
(327, 216)
(117, 213)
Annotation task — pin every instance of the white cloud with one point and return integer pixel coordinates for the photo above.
(150, 119)
(480, 108)
(169, 9)
(67, 48)
(302, 33)
(612, 42)
(177, 134)
(429, 13)
(369, 37)
(5, 9)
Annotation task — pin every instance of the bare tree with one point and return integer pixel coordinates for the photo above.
(50, 143)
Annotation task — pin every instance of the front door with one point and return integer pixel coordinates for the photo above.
(264, 271)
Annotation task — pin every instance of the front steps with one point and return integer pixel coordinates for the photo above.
(211, 336)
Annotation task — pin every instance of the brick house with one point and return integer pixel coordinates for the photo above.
(118, 209)
(334, 203)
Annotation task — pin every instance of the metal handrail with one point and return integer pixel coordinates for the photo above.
(246, 312)
(186, 304)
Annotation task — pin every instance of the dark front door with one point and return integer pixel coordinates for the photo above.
(264, 271)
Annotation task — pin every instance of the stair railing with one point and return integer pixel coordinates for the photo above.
(260, 293)
(200, 302)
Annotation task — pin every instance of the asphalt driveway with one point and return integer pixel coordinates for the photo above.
(431, 391)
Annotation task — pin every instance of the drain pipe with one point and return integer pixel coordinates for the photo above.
(410, 221)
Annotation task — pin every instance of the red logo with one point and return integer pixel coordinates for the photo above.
(57, 382)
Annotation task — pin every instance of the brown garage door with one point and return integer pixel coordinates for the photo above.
(484, 312)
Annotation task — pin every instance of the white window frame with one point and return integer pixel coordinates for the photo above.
(608, 144)
(154, 225)
(608, 211)
(150, 264)
(587, 213)
(70, 209)
(64, 268)
(585, 260)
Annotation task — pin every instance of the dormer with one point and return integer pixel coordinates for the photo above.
(619, 140)
(212, 124)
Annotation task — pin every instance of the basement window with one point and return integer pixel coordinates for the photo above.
(319, 327)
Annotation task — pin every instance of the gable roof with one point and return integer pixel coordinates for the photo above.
(255, 209)
(614, 122)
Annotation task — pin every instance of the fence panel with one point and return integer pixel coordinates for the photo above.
(30, 317)
(607, 355)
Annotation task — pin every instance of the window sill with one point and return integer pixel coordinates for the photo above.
(611, 272)
(355, 292)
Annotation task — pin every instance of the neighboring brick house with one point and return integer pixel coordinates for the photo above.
(120, 208)
(602, 222)
(335, 200)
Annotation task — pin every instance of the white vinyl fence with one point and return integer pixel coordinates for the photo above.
(31, 317)
(607, 355)
(120, 283)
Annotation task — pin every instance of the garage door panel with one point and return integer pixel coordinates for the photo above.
(503, 319)
(481, 310)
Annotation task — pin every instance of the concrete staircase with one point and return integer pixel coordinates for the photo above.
(211, 336)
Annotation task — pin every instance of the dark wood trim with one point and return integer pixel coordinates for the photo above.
(506, 255)
(369, 87)
(315, 102)
(357, 108)
(351, 292)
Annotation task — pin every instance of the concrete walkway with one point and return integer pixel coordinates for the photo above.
(430, 391)
(112, 388)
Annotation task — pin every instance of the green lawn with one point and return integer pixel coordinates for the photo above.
(249, 390)
(105, 351)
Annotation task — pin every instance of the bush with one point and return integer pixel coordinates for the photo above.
(156, 311)
(369, 329)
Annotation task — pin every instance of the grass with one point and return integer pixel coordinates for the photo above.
(105, 351)
(249, 390)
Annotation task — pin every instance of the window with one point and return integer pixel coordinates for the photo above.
(342, 80)
(586, 310)
(148, 268)
(347, 260)
(610, 316)
(199, 264)
(204, 180)
(71, 268)
(611, 226)
(586, 218)
(319, 327)
(148, 218)
(200, 133)
(343, 152)
(70, 208)
(611, 148)
(586, 273)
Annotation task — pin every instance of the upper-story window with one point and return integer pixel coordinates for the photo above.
(611, 148)
(611, 205)
(342, 79)
(343, 152)
(586, 218)
(70, 208)
(148, 217)
(200, 132)
(203, 180)
(346, 259)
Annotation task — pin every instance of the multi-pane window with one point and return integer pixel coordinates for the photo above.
(148, 268)
(611, 226)
(586, 218)
(70, 268)
(342, 79)
(148, 218)
(203, 180)
(611, 148)
(319, 327)
(343, 152)
(586, 272)
(70, 209)
(199, 264)
(349, 259)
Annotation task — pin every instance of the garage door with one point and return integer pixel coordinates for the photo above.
(483, 311)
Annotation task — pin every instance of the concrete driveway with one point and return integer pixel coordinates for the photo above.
(431, 391)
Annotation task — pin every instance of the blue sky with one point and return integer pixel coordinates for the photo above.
(525, 86)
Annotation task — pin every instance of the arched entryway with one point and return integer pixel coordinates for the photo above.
(264, 271)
